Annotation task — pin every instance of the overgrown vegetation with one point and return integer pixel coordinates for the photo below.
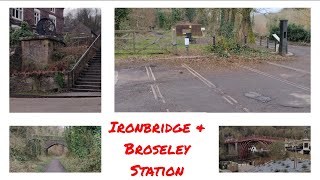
(59, 79)
(84, 149)
(82, 154)
(16, 34)
(234, 29)
(26, 152)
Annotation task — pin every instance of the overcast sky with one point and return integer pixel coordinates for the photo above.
(269, 10)
(72, 10)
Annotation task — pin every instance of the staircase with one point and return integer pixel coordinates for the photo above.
(90, 78)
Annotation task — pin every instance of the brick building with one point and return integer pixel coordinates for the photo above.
(33, 15)
(188, 27)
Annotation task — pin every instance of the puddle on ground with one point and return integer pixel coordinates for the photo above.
(257, 96)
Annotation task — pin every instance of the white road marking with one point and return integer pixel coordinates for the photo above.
(147, 72)
(154, 92)
(154, 78)
(245, 109)
(225, 98)
(235, 101)
(275, 78)
(168, 110)
(116, 77)
(199, 76)
(155, 88)
(288, 67)
(160, 95)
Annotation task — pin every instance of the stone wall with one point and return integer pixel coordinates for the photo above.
(34, 83)
(37, 52)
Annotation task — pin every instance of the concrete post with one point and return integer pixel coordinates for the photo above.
(283, 46)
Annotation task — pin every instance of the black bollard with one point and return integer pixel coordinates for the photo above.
(283, 46)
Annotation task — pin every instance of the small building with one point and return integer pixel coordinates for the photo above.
(33, 15)
(188, 27)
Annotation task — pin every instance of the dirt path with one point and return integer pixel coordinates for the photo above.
(54, 166)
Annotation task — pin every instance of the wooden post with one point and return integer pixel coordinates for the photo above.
(245, 39)
(134, 41)
(268, 42)
(174, 42)
(260, 40)
(213, 40)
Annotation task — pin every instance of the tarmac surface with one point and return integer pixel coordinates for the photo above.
(265, 86)
(76, 104)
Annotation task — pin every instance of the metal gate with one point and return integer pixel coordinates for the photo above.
(142, 42)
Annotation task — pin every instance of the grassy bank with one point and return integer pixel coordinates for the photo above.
(75, 164)
(37, 165)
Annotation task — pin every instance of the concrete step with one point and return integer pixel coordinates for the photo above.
(89, 79)
(95, 60)
(94, 64)
(88, 83)
(94, 67)
(92, 71)
(86, 87)
(90, 76)
(85, 90)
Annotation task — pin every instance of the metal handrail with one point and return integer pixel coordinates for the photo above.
(71, 73)
(85, 53)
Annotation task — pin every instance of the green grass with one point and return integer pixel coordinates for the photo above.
(154, 51)
(30, 166)
(163, 47)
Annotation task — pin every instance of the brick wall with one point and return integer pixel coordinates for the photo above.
(28, 16)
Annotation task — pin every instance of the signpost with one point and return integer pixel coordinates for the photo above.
(276, 48)
(186, 43)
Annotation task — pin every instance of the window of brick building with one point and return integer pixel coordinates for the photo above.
(17, 13)
(36, 16)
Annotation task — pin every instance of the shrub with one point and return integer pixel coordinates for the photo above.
(16, 34)
(296, 33)
(59, 79)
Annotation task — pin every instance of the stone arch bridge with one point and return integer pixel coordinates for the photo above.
(48, 141)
